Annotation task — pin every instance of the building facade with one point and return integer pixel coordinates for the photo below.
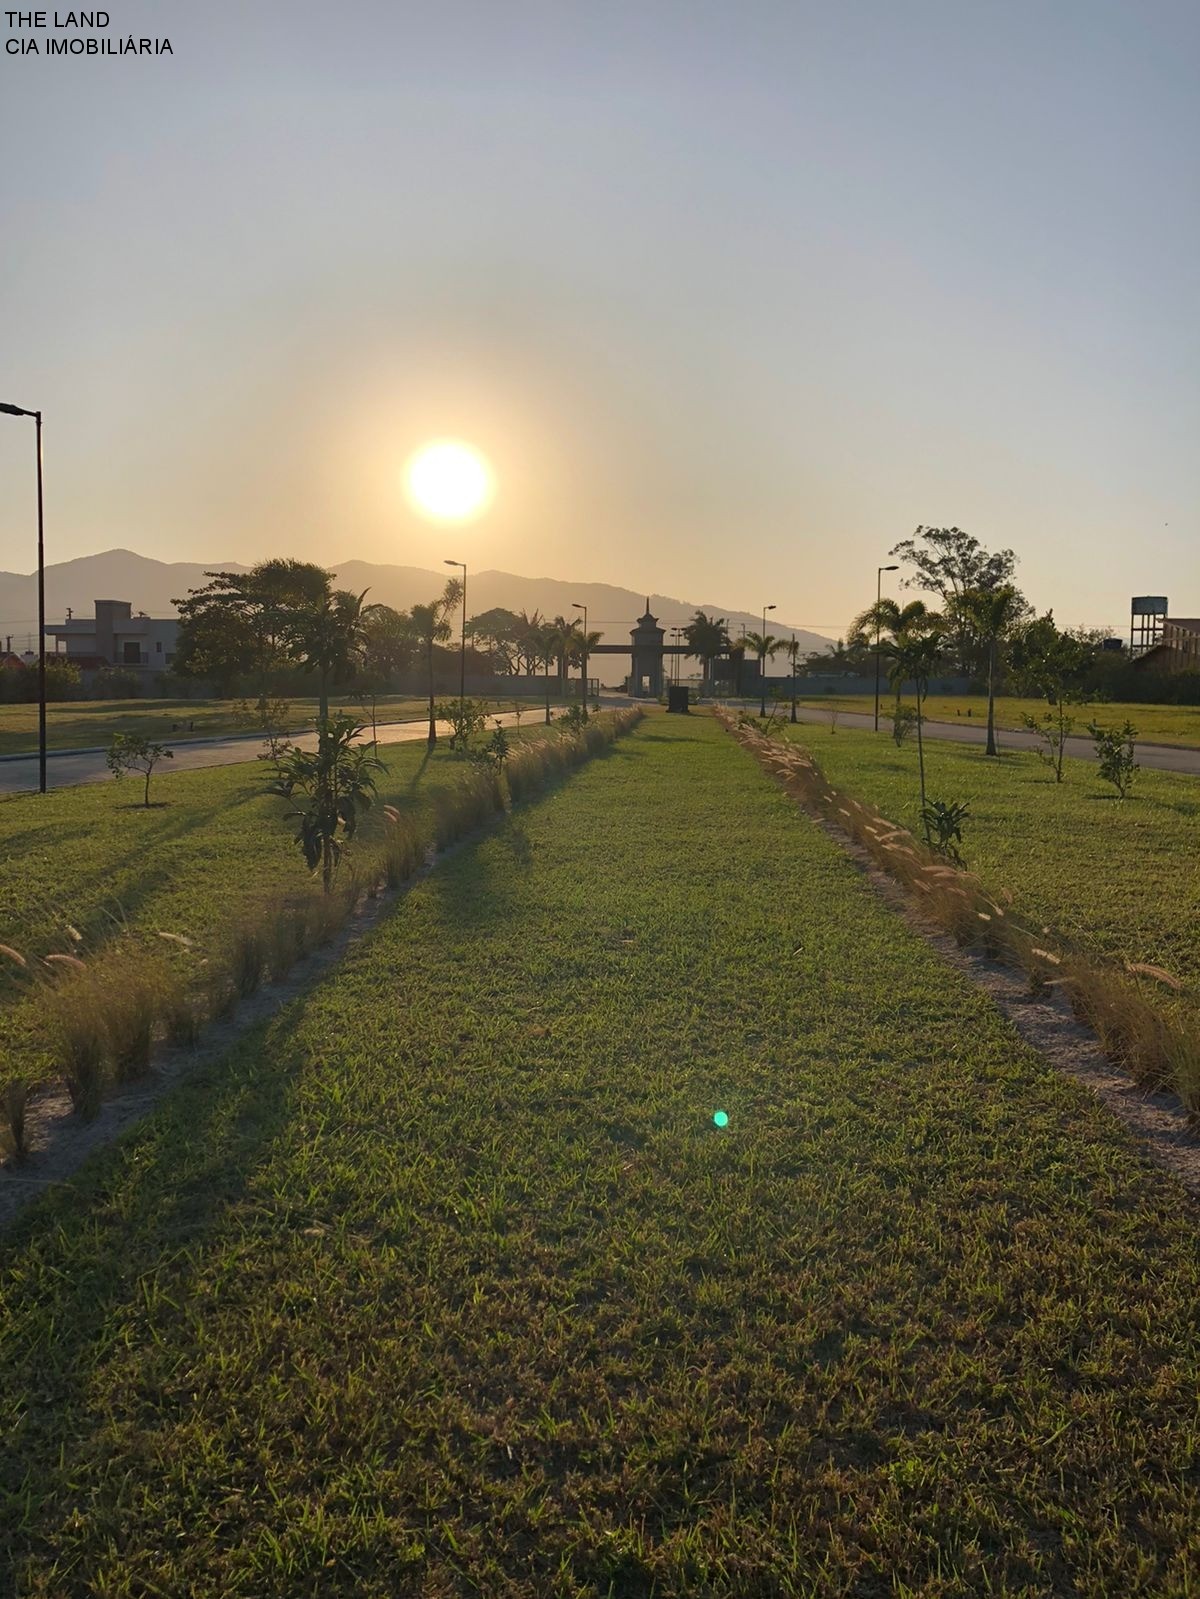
(1177, 649)
(116, 637)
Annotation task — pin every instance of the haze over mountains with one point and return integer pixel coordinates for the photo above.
(152, 585)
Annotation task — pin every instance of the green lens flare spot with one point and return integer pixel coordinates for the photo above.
(721, 1119)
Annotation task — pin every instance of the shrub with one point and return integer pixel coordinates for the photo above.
(904, 722)
(114, 683)
(1114, 751)
(943, 826)
(467, 719)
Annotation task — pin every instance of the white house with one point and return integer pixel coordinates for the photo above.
(116, 637)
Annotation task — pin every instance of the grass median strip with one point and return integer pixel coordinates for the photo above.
(1119, 878)
(447, 1281)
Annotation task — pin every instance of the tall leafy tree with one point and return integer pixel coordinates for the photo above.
(991, 614)
(244, 623)
(499, 633)
(949, 562)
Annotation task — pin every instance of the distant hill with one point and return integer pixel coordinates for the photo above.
(152, 585)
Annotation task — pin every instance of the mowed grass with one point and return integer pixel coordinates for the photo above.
(446, 1283)
(1156, 724)
(213, 848)
(91, 724)
(1117, 878)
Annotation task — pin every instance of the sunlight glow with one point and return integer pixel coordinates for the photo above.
(449, 481)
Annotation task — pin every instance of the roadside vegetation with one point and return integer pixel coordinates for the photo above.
(1117, 878)
(92, 724)
(449, 1279)
(1177, 725)
(120, 924)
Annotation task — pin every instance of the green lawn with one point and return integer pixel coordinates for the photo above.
(212, 848)
(445, 1282)
(1119, 878)
(1156, 724)
(90, 724)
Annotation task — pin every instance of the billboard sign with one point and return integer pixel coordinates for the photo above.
(1149, 605)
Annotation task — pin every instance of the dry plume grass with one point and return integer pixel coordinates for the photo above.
(1118, 1004)
(105, 1017)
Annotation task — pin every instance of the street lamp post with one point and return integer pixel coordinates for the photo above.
(878, 599)
(17, 410)
(762, 670)
(792, 657)
(462, 646)
(576, 606)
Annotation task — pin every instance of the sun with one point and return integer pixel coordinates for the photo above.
(449, 481)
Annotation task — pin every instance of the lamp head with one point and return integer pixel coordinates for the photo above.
(15, 410)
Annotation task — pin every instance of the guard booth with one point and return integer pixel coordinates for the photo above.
(677, 698)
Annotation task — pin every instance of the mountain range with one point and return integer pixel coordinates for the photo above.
(152, 586)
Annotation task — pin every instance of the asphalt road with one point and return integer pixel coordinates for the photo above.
(65, 768)
(68, 767)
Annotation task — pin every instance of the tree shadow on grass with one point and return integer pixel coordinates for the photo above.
(169, 1186)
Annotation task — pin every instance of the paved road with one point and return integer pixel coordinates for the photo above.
(65, 768)
(1165, 756)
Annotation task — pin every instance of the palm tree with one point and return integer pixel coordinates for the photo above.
(566, 633)
(894, 621)
(544, 643)
(990, 615)
(429, 626)
(529, 639)
(331, 639)
(764, 645)
(917, 656)
(792, 651)
(706, 639)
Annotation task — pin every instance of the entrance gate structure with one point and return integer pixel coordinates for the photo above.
(647, 649)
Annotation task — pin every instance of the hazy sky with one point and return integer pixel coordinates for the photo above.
(732, 295)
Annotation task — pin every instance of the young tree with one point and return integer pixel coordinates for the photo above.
(337, 782)
(990, 615)
(130, 752)
(1050, 665)
(1114, 751)
(918, 656)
